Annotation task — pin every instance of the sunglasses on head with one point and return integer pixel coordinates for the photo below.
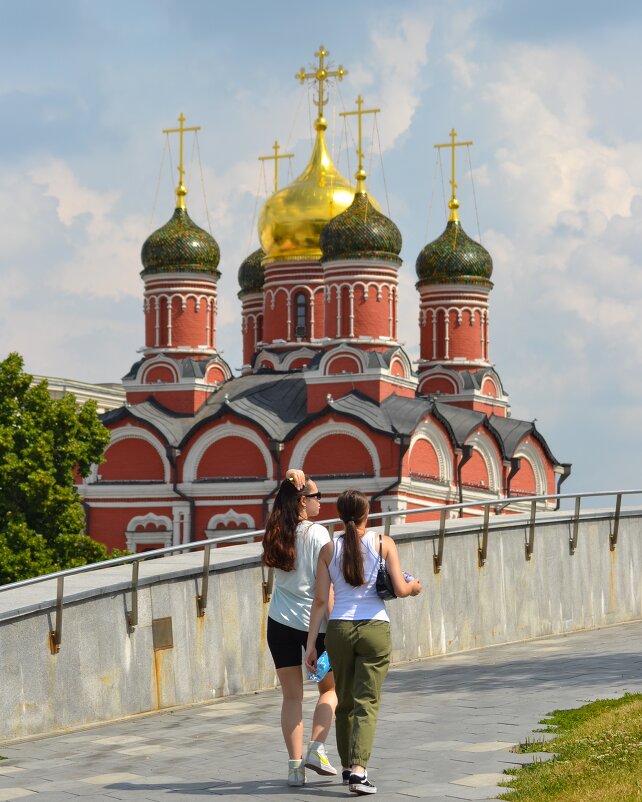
(316, 495)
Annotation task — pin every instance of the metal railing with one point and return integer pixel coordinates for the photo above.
(478, 509)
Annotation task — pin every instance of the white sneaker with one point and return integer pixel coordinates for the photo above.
(317, 760)
(296, 772)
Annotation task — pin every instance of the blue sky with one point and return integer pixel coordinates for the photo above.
(548, 92)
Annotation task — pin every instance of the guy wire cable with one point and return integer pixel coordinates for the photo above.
(197, 145)
(472, 181)
(160, 173)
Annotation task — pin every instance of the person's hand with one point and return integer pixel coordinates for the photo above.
(417, 587)
(311, 659)
(296, 477)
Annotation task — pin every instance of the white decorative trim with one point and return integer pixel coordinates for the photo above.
(163, 532)
(330, 356)
(154, 362)
(531, 454)
(433, 435)
(331, 427)
(136, 433)
(241, 520)
(481, 443)
(190, 468)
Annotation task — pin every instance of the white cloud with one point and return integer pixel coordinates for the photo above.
(392, 72)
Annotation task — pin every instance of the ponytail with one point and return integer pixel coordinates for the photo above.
(352, 506)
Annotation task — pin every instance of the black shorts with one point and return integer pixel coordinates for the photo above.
(288, 644)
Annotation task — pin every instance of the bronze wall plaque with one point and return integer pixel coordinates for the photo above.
(162, 635)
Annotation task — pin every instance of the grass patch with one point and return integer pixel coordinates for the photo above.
(598, 750)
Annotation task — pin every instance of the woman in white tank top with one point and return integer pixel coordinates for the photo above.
(358, 633)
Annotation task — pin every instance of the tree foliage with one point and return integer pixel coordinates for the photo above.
(44, 443)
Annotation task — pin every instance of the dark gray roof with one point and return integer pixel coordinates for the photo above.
(461, 422)
(277, 404)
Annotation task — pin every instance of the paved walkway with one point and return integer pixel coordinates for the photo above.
(445, 732)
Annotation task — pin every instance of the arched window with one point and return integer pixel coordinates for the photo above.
(301, 315)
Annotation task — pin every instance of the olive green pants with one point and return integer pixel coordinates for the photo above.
(359, 654)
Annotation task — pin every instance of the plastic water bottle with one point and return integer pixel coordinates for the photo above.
(408, 577)
(323, 666)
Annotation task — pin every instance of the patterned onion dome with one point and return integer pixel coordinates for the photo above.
(251, 273)
(454, 258)
(180, 246)
(361, 232)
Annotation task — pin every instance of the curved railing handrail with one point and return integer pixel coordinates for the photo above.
(501, 502)
(55, 635)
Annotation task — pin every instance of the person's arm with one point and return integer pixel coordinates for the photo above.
(391, 556)
(297, 478)
(319, 605)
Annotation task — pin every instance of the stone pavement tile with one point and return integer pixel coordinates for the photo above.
(7, 770)
(475, 793)
(488, 746)
(479, 780)
(435, 791)
(14, 793)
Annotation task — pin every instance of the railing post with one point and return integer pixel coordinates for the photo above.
(531, 534)
(482, 551)
(576, 525)
(331, 530)
(386, 526)
(437, 558)
(201, 601)
(132, 615)
(55, 635)
(267, 584)
(616, 523)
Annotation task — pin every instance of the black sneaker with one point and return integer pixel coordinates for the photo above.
(361, 785)
(345, 776)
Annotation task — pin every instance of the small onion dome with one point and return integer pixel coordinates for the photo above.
(454, 258)
(361, 232)
(251, 273)
(180, 246)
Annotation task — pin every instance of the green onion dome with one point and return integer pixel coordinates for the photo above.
(180, 246)
(251, 273)
(454, 258)
(361, 232)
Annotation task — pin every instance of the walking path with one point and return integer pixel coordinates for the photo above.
(445, 732)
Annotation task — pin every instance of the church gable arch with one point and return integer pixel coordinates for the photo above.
(242, 450)
(134, 454)
(531, 477)
(483, 469)
(323, 444)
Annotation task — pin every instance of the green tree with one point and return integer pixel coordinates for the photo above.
(44, 443)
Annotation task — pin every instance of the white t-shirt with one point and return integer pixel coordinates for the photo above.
(294, 590)
(362, 603)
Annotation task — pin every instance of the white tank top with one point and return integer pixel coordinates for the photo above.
(362, 603)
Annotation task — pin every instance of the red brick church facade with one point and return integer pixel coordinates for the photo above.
(325, 386)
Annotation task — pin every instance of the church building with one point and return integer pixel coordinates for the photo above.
(325, 385)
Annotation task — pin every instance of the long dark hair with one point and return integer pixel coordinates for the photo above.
(352, 506)
(279, 541)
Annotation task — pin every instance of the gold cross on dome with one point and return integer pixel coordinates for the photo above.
(180, 190)
(321, 75)
(360, 174)
(453, 204)
(276, 157)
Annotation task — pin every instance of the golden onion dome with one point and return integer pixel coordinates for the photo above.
(291, 221)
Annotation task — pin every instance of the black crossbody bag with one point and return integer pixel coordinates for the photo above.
(383, 585)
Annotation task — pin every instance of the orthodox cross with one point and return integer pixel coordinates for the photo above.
(453, 204)
(181, 191)
(321, 75)
(360, 174)
(276, 157)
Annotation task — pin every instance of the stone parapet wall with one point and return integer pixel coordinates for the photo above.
(105, 670)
